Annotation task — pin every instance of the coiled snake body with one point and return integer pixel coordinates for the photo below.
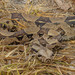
(43, 33)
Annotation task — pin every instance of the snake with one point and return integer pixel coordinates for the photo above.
(43, 34)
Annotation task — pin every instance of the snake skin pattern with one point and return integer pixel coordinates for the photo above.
(44, 34)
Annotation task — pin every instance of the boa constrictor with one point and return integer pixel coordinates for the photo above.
(44, 34)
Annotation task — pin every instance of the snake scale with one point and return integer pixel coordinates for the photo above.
(43, 34)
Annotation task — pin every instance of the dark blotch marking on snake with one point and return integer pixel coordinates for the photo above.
(70, 21)
(17, 16)
(42, 21)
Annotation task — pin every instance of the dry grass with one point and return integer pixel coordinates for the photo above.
(19, 59)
